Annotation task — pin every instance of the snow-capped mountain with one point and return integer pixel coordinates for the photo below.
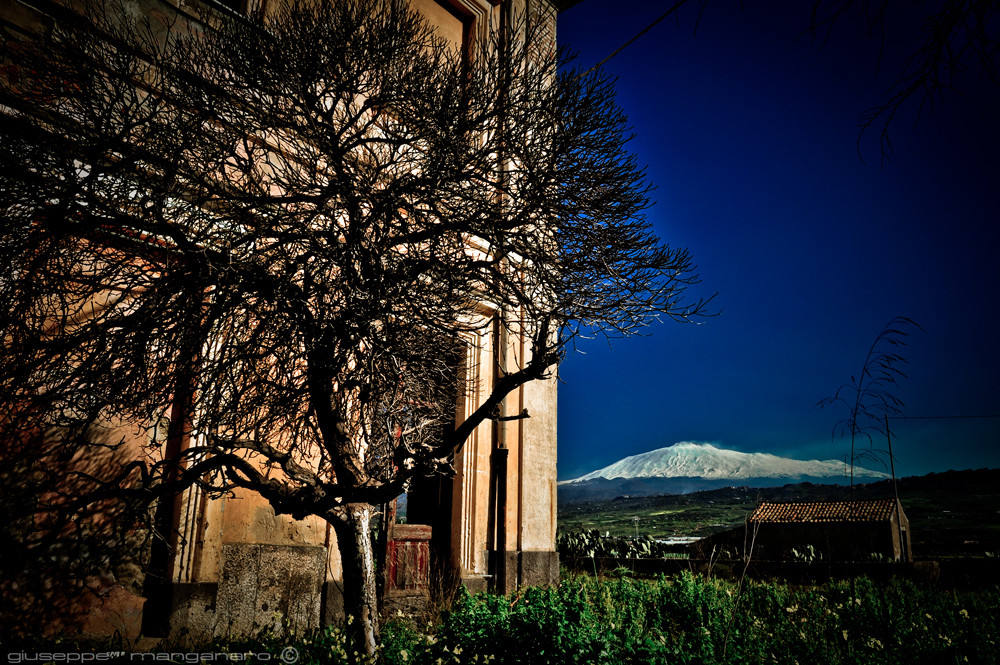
(703, 460)
(689, 466)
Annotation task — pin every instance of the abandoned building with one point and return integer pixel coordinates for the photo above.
(828, 531)
(234, 566)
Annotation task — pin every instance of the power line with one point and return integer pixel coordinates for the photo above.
(997, 415)
(677, 5)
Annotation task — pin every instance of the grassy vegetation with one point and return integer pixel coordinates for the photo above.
(698, 514)
(688, 619)
(951, 514)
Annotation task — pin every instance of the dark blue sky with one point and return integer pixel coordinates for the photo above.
(750, 135)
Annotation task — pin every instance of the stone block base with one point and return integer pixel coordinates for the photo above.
(530, 568)
(192, 614)
(264, 587)
(539, 568)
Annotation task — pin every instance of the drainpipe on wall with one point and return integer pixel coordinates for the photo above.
(158, 586)
(498, 458)
(166, 521)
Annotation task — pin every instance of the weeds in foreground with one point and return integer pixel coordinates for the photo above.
(680, 620)
(686, 620)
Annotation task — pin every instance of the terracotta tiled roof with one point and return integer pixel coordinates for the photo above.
(875, 510)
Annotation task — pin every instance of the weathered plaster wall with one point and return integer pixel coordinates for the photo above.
(237, 567)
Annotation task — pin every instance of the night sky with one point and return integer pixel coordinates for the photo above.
(750, 134)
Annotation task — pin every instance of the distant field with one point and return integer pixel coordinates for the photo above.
(956, 513)
(699, 514)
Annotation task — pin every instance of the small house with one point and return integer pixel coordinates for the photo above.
(837, 531)
(829, 531)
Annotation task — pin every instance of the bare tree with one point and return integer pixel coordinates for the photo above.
(278, 232)
(955, 40)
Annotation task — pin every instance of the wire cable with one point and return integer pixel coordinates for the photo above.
(677, 5)
(941, 417)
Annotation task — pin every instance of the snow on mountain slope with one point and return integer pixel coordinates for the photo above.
(703, 460)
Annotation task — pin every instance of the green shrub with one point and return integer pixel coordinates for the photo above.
(330, 646)
(595, 544)
(687, 619)
(692, 619)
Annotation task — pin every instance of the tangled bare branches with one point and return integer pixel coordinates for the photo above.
(275, 238)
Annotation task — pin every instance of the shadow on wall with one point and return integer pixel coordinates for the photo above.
(68, 566)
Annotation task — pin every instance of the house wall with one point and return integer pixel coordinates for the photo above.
(235, 567)
(536, 508)
(231, 553)
(901, 540)
(526, 521)
(834, 542)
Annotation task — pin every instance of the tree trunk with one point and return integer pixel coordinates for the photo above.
(353, 530)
